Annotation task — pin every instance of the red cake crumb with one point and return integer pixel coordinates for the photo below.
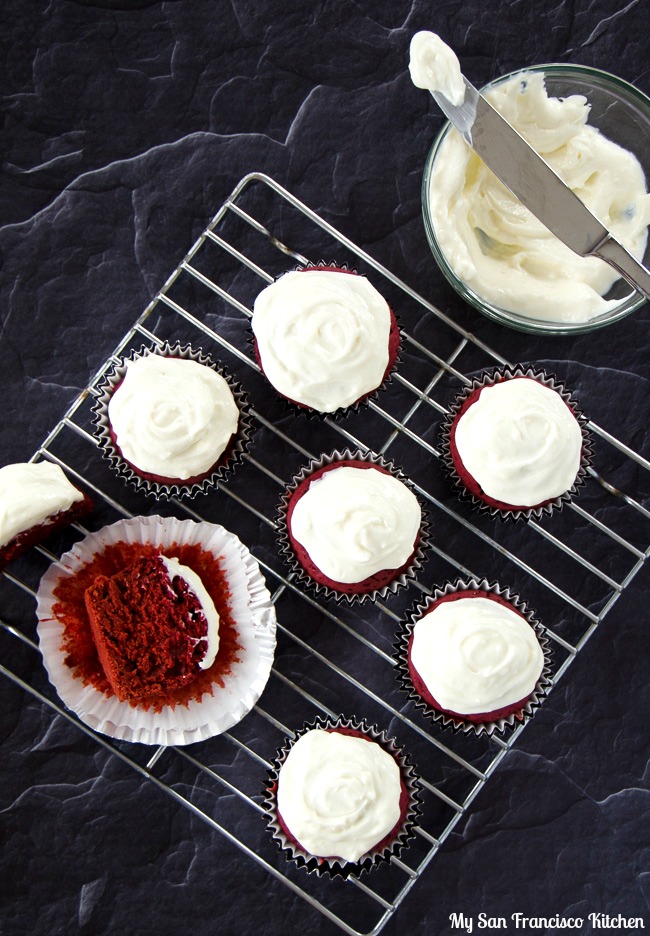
(149, 631)
(78, 644)
(39, 533)
(394, 338)
(403, 804)
(420, 686)
(373, 582)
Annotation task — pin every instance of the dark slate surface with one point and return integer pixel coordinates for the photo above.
(126, 124)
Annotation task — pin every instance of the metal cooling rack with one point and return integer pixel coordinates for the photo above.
(334, 659)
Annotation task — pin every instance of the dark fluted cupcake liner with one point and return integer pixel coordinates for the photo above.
(320, 589)
(233, 455)
(297, 409)
(488, 379)
(334, 867)
(444, 719)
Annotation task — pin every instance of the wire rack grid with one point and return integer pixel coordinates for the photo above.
(332, 658)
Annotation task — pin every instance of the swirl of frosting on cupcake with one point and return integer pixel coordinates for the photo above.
(172, 417)
(355, 522)
(322, 337)
(338, 794)
(30, 492)
(520, 441)
(476, 655)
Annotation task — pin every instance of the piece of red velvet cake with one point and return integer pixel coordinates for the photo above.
(516, 443)
(154, 626)
(36, 498)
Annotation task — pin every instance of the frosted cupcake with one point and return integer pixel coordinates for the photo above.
(171, 422)
(36, 498)
(515, 443)
(324, 337)
(351, 526)
(341, 798)
(474, 658)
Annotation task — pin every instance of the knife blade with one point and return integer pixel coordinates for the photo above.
(537, 186)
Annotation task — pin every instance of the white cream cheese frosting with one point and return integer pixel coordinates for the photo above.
(521, 442)
(435, 67)
(496, 246)
(339, 795)
(355, 522)
(176, 568)
(322, 337)
(476, 656)
(172, 417)
(31, 492)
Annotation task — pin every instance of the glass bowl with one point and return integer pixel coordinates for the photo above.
(622, 113)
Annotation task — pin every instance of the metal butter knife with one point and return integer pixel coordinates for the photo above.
(537, 186)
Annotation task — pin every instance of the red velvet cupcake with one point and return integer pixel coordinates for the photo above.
(324, 338)
(351, 526)
(135, 651)
(36, 498)
(474, 658)
(515, 444)
(171, 422)
(341, 797)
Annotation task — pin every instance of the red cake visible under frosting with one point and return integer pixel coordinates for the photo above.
(148, 628)
(78, 645)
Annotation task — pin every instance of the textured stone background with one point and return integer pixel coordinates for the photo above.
(125, 126)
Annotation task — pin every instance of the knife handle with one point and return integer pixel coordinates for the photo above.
(622, 260)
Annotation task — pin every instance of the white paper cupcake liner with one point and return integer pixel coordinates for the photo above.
(452, 722)
(252, 611)
(296, 409)
(228, 461)
(320, 589)
(332, 867)
(488, 379)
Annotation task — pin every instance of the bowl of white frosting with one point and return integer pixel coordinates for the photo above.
(594, 130)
